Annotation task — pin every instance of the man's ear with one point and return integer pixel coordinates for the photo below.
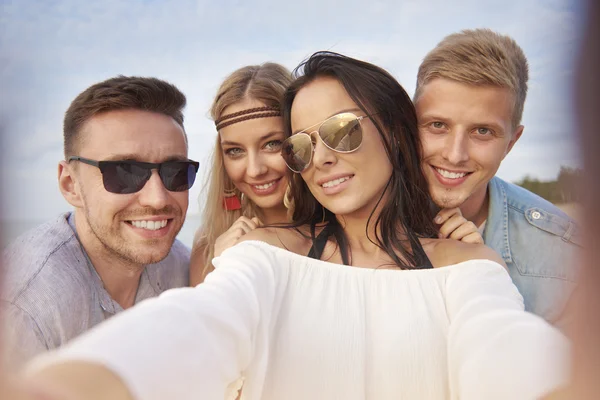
(515, 136)
(68, 185)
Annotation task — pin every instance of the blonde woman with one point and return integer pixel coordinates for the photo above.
(248, 180)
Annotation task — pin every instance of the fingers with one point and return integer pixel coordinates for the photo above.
(246, 224)
(445, 214)
(474, 238)
(464, 230)
(452, 224)
(455, 226)
(239, 228)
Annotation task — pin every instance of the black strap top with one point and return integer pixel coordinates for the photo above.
(316, 250)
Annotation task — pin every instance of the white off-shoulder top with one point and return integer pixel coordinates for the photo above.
(296, 328)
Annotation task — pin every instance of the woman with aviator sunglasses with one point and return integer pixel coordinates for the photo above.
(247, 184)
(359, 301)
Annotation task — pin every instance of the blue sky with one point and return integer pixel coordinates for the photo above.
(52, 50)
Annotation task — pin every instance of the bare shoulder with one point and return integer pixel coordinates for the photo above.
(268, 235)
(284, 238)
(444, 252)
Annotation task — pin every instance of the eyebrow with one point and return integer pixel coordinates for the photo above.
(335, 113)
(262, 138)
(436, 117)
(136, 157)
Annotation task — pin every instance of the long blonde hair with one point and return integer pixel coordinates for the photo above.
(266, 83)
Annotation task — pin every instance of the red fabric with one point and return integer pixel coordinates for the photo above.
(231, 203)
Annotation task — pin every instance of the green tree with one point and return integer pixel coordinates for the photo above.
(566, 188)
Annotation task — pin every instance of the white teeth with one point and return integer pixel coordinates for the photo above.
(150, 225)
(451, 175)
(265, 186)
(335, 182)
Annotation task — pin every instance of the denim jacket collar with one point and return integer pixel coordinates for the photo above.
(496, 226)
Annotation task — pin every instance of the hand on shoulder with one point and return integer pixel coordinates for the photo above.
(284, 238)
(452, 225)
(448, 252)
(268, 235)
(241, 227)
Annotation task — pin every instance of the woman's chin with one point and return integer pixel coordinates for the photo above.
(341, 209)
(268, 203)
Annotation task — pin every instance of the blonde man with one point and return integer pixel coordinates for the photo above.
(471, 89)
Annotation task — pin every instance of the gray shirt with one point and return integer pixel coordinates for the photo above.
(52, 293)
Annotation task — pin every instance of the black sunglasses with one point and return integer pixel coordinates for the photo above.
(128, 176)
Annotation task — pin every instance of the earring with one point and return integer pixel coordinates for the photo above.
(230, 200)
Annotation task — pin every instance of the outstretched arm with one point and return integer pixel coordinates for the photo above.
(188, 343)
(496, 350)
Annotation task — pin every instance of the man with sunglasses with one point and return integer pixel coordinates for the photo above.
(127, 175)
(469, 99)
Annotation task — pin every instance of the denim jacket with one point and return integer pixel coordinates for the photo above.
(539, 244)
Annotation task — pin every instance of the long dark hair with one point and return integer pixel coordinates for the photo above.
(407, 214)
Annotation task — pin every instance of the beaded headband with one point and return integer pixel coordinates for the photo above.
(244, 115)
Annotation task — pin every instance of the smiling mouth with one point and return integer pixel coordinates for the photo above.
(451, 175)
(335, 182)
(266, 185)
(149, 225)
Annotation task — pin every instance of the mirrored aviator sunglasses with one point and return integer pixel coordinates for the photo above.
(341, 133)
(128, 176)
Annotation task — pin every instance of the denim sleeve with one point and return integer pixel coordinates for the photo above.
(22, 336)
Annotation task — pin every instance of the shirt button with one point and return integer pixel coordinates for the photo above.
(536, 215)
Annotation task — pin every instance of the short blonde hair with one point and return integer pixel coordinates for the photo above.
(479, 57)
